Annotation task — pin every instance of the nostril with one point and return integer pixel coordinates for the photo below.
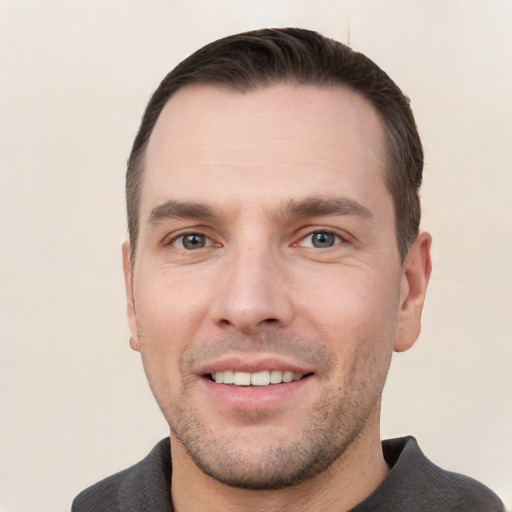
(270, 320)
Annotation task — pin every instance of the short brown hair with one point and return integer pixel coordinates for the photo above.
(265, 57)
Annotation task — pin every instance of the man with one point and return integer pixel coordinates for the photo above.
(274, 264)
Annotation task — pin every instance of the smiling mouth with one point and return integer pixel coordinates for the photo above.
(263, 378)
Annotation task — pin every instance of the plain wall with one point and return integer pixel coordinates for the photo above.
(74, 79)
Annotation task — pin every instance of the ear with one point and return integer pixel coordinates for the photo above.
(130, 301)
(413, 287)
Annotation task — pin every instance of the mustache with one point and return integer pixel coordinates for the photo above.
(306, 350)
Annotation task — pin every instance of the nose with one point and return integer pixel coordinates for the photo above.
(253, 293)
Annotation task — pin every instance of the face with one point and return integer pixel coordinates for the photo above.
(267, 291)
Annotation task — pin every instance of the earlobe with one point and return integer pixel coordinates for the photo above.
(130, 300)
(134, 344)
(415, 277)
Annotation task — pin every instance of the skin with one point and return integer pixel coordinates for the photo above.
(258, 178)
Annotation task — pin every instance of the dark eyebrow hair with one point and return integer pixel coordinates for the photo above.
(319, 206)
(179, 210)
(307, 207)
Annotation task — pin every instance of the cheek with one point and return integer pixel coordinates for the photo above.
(168, 305)
(351, 297)
(352, 313)
(167, 319)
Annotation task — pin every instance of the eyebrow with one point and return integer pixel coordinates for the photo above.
(322, 206)
(173, 209)
(307, 207)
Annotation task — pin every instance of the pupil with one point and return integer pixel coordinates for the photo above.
(193, 241)
(323, 239)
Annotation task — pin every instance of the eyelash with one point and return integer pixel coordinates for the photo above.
(209, 241)
(181, 236)
(326, 231)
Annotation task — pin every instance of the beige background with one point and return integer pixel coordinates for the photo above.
(74, 78)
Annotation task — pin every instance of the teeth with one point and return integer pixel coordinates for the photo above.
(228, 378)
(287, 376)
(276, 377)
(260, 379)
(242, 379)
(263, 378)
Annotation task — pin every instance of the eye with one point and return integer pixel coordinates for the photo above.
(320, 240)
(192, 241)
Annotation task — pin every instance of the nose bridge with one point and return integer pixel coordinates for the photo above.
(252, 293)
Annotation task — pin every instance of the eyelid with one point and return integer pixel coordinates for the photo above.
(170, 239)
(181, 239)
(304, 233)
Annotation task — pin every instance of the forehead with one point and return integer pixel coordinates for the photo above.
(212, 142)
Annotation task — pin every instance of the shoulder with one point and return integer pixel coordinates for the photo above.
(133, 488)
(102, 495)
(414, 483)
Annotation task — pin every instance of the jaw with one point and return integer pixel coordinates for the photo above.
(344, 483)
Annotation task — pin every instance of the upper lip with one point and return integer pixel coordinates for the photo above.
(251, 364)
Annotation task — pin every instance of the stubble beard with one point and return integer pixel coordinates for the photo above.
(332, 426)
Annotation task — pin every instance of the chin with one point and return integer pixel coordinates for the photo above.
(268, 458)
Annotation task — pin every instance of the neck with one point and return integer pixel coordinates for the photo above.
(347, 482)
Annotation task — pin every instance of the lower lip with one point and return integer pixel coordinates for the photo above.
(254, 397)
